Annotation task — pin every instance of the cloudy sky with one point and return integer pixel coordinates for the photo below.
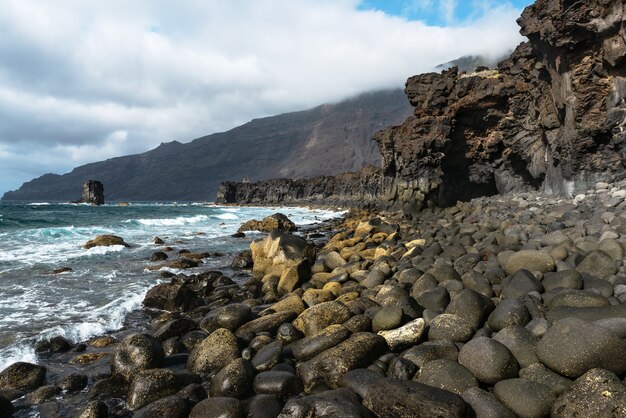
(86, 80)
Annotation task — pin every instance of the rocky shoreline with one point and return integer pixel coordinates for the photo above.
(500, 306)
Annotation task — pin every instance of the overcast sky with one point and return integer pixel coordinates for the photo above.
(84, 80)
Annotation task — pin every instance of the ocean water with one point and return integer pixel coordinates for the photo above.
(106, 283)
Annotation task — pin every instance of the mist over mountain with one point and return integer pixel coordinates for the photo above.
(327, 139)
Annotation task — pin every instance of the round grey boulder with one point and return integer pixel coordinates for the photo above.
(531, 260)
(526, 398)
(488, 360)
(446, 374)
(508, 312)
(136, 353)
(214, 352)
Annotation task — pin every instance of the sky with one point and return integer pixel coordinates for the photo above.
(87, 80)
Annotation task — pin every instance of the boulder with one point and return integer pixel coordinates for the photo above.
(151, 385)
(171, 407)
(136, 353)
(431, 350)
(525, 398)
(407, 335)
(485, 404)
(267, 323)
(520, 342)
(230, 317)
(520, 284)
(309, 347)
(563, 350)
(105, 241)
(22, 376)
(509, 312)
(277, 221)
(172, 297)
(450, 327)
(217, 408)
(332, 403)
(328, 367)
(234, 380)
(393, 398)
(541, 374)
(597, 393)
(279, 383)
(214, 353)
(320, 316)
(446, 374)
(531, 260)
(501, 363)
(598, 264)
(278, 251)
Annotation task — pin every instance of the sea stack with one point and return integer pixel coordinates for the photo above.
(93, 192)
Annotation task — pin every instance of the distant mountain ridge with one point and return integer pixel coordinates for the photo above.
(326, 140)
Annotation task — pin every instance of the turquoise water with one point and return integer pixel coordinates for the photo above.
(105, 283)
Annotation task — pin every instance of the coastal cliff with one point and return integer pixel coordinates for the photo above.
(550, 117)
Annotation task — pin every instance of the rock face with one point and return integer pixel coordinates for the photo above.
(325, 140)
(93, 192)
(551, 116)
(360, 189)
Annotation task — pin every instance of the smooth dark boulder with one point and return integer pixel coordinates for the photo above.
(329, 404)
(277, 383)
(392, 398)
(268, 356)
(328, 367)
(73, 382)
(389, 317)
(267, 323)
(431, 350)
(587, 314)
(170, 407)
(508, 312)
(488, 360)
(520, 284)
(541, 374)
(525, 398)
(151, 385)
(520, 342)
(531, 260)
(472, 306)
(309, 347)
(577, 299)
(217, 408)
(450, 327)
(446, 374)
(597, 393)
(22, 376)
(263, 406)
(485, 404)
(234, 380)
(598, 264)
(318, 317)
(136, 353)
(567, 279)
(105, 241)
(43, 394)
(6, 408)
(359, 380)
(230, 317)
(563, 350)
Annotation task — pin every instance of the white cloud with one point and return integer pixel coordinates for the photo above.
(74, 74)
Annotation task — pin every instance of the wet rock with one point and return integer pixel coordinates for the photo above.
(22, 376)
(446, 374)
(330, 365)
(450, 328)
(6, 408)
(508, 312)
(230, 317)
(501, 365)
(277, 383)
(485, 404)
(137, 352)
(234, 380)
(95, 409)
(268, 224)
(171, 407)
(44, 394)
(597, 393)
(333, 403)
(407, 335)
(183, 263)
(268, 356)
(73, 382)
(243, 260)
(172, 297)
(267, 323)
(175, 328)
(525, 398)
(392, 398)
(105, 241)
(318, 317)
(56, 344)
(150, 385)
(110, 387)
(287, 333)
(214, 352)
(158, 256)
(563, 350)
(263, 406)
(309, 347)
(103, 341)
(401, 368)
(217, 408)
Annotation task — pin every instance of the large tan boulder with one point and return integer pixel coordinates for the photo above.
(279, 251)
(268, 224)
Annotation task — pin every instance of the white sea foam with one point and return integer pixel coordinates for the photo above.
(39, 204)
(227, 216)
(105, 250)
(179, 221)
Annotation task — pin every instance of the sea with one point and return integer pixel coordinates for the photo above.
(105, 284)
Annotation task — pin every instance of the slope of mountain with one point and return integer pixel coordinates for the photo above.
(328, 139)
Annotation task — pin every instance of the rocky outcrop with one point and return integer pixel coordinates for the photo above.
(326, 140)
(550, 117)
(362, 189)
(93, 192)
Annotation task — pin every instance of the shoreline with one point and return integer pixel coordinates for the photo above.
(420, 301)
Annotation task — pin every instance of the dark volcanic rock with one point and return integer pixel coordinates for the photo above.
(524, 397)
(22, 376)
(501, 365)
(392, 398)
(268, 224)
(137, 352)
(151, 385)
(93, 192)
(217, 408)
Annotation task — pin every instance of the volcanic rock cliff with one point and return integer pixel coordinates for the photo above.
(550, 117)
